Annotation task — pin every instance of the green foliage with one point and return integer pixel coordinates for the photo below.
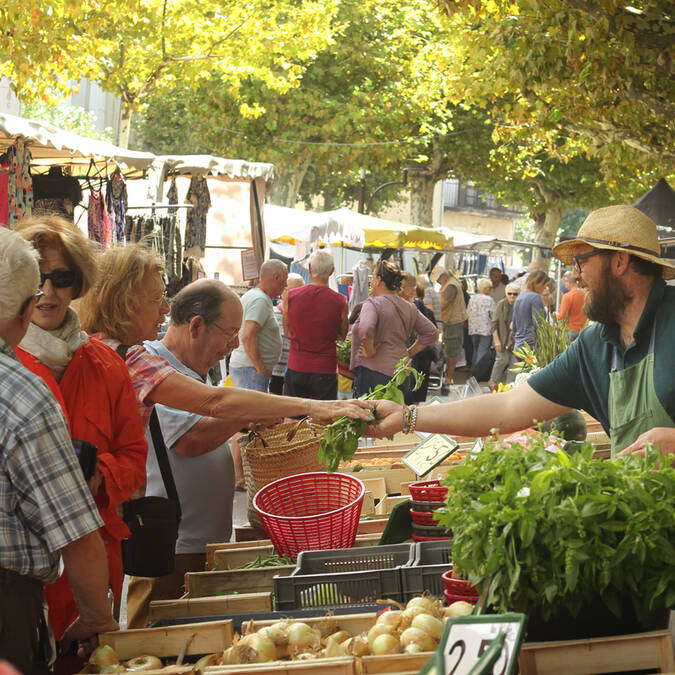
(550, 340)
(551, 531)
(344, 350)
(341, 438)
(70, 118)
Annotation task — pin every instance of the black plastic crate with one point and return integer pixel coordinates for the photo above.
(432, 558)
(344, 577)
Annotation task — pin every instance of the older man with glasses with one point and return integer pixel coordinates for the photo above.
(48, 513)
(502, 337)
(620, 369)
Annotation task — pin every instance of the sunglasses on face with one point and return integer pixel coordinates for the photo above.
(59, 278)
(512, 294)
(27, 302)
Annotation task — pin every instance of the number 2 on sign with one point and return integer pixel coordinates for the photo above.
(464, 647)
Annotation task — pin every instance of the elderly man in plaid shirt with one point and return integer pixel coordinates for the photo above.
(48, 514)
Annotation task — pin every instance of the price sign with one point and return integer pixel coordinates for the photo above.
(429, 453)
(249, 265)
(471, 645)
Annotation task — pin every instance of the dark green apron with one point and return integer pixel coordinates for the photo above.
(633, 404)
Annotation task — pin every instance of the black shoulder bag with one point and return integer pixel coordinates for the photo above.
(150, 550)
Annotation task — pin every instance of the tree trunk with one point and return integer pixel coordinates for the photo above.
(287, 181)
(546, 229)
(125, 126)
(422, 199)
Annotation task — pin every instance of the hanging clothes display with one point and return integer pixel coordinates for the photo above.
(160, 233)
(56, 193)
(98, 221)
(195, 230)
(116, 202)
(19, 183)
(301, 267)
(360, 286)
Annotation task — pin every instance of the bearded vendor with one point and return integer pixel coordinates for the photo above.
(621, 369)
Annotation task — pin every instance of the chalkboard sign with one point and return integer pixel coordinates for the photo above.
(479, 645)
(429, 453)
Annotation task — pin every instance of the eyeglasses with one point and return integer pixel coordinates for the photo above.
(27, 302)
(512, 293)
(230, 334)
(59, 278)
(577, 259)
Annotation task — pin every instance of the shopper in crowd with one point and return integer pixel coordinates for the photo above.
(205, 320)
(127, 306)
(498, 289)
(315, 316)
(385, 323)
(528, 306)
(279, 371)
(453, 316)
(481, 314)
(619, 369)
(431, 298)
(547, 299)
(572, 307)
(521, 280)
(260, 344)
(94, 388)
(503, 339)
(48, 514)
(422, 360)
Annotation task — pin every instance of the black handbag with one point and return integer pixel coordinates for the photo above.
(150, 550)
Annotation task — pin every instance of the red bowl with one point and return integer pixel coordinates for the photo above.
(461, 587)
(451, 597)
(418, 537)
(424, 518)
(428, 491)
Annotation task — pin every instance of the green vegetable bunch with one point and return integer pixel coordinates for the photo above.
(273, 560)
(341, 438)
(344, 350)
(552, 531)
(550, 335)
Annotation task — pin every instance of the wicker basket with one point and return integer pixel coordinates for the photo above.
(284, 450)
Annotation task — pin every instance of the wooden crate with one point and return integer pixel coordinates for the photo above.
(169, 641)
(368, 505)
(386, 506)
(229, 559)
(639, 651)
(377, 486)
(373, 527)
(394, 663)
(339, 666)
(392, 477)
(210, 606)
(188, 669)
(203, 584)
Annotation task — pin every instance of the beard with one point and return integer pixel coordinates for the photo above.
(607, 302)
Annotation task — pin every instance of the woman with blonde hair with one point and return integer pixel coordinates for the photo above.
(128, 305)
(93, 387)
(481, 310)
(526, 307)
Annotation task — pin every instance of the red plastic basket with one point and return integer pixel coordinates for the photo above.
(419, 537)
(428, 491)
(461, 587)
(310, 511)
(424, 518)
(451, 597)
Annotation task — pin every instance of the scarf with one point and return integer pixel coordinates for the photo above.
(55, 348)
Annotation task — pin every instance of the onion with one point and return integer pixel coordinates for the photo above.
(423, 601)
(302, 638)
(379, 629)
(332, 649)
(265, 650)
(229, 657)
(206, 661)
(459, 608)
(278, 634)
(391, 618)
(416, 636)
(429, 624)
(413, 648)
(408, 615)
(104, 655)
(144, 663)
(386, 644)
(340, 636)
(356, 646)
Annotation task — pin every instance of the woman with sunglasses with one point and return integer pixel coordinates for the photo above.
(379, 335)
(93, 387)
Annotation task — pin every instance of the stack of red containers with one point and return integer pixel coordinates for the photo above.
(427, 497)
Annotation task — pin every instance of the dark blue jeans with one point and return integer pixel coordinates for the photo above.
(366, 379)
(320, 386)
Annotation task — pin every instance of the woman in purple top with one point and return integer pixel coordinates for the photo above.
(526, 307)
(380, 333)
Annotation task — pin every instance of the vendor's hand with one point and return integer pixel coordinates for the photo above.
(662, 436)
(86, 635)
(389, 417)
(367, 349)
(327, 411)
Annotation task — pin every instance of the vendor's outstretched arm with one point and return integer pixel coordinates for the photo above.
(508, 411)
(242, 406)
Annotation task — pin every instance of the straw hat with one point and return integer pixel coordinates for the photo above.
(618, 228)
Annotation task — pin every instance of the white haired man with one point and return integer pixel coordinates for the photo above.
(315, 316)
(260, 343)
(48, 512)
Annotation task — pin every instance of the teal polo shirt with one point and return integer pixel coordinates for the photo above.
(579, 377)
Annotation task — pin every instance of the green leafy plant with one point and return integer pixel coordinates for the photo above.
(341, 438)
(550, 339)
(551, 531)
(344, 348)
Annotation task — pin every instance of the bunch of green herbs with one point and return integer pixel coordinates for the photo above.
(341, 438)
(550, 339)
(344, 350)
(550, 531)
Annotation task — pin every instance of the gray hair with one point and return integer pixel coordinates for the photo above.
(271, 267)
(483, 284)
(321, 264)
(423, 280)
(200, 298)
(295, 280)
(513, 288)
(569, 276)
(19, 272)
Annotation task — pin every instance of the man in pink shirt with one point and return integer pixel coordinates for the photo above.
(315, 316)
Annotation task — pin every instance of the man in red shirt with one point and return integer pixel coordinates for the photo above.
(572, 306)
(315, 316)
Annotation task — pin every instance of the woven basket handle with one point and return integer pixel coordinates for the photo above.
(291, 432)
(254, 435)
